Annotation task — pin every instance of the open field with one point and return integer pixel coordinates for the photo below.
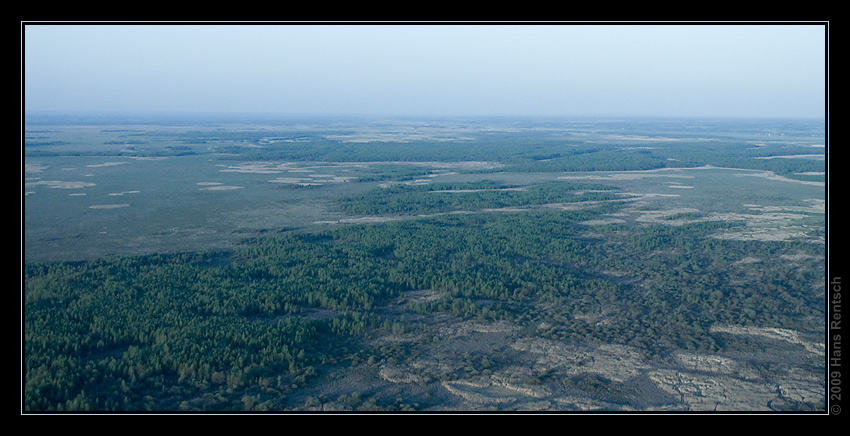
(254, 197)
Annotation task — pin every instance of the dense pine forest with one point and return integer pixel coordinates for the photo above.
(149, 332)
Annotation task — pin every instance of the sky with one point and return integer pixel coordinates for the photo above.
(568, 69)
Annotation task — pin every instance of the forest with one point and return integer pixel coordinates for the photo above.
(149, 332)
(262, 324)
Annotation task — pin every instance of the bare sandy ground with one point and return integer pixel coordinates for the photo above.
(217, 186)
(106, 164)
(773, 176)
(281, 167)
(786, 335)
(58, 184)
(108, 206)
(679, 173)
(691, 381)
(477, 190)
(221, 188)
(625, 175)
(34, 168)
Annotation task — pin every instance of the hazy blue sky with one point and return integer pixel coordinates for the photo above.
(625, 69)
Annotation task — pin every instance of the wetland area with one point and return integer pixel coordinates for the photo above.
(343, 265)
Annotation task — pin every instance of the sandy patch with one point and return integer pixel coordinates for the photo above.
(403, 135)
(800, 386)
(638, 195)
(106, 164)
(468, 327)
(493, 390)
(799, 256)
(770, 175)
(786, 335)
(462, 165)
(280, 167)
(660, 216)
(617, 363)
(441, 173)
(477, 190)
(583, 404)
(109, 206)
(773, 223)
(313, 179)
(642, 138)
(602, 222)
(221, 188)
(747, 260)
(816, 206)
(398, 374)
(421, 296)
(710, 392)
(364, 219)
(637, 175)
(35, 168)
(259, 168)
(714, 364)
(763, 234)
(57, 184)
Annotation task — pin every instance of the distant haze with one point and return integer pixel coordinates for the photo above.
(734, 70)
